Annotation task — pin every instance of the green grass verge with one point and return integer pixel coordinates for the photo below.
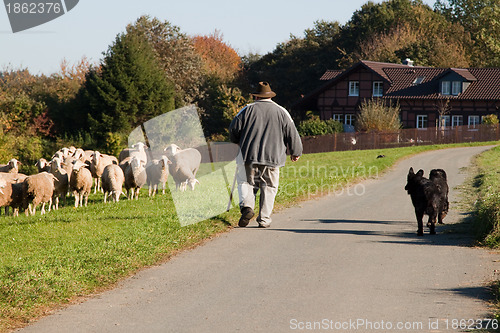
(51, 260)
(487, 208)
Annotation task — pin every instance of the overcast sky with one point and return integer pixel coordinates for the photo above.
(92, 25)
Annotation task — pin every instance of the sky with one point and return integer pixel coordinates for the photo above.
(90, 27)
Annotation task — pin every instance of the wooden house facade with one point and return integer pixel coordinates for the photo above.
(427, 96)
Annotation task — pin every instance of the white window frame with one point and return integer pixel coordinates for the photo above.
(353, 88)
(338, 117)
(473, 121)
(456, 88)
(421, 121)
(446, 87)
(447, 121)
(378, 88)
(349, 119)
(457, 121)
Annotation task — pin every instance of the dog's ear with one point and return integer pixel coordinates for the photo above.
(411, 172)
(420, 173)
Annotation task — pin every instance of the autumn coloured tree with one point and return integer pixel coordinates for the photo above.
(220, 61)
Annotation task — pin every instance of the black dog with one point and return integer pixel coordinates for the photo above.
(428, 197)
(438, 177)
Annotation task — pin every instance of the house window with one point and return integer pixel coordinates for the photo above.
(456, 88)
(445, 87)
(473, 121)
(353, 88)
(444, 121)
(457, 121)
(378, 88)
(349, 119)
(339, 117)
(421, 121)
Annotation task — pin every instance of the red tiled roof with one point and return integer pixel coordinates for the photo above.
(484, 82)
(331, 74)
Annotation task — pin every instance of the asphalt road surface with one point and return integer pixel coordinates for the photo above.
(347, 262)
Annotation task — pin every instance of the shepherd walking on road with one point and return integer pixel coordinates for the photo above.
(263, 130)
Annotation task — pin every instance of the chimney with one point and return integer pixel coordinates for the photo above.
(408, 62)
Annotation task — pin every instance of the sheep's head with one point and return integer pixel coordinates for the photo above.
(77, 165)
(192, 182)
(41, 163)
(96, 157)
(55, 164)
(140, 146)
(171, 150)
(79, 153)
(165, 161)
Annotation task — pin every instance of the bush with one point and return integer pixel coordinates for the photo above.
(377, 116)
(490, 119)
(315, 126)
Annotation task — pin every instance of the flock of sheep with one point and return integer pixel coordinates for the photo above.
(74, 170)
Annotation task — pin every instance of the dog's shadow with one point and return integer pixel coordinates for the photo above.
(454, 234)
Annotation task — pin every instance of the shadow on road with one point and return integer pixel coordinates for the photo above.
(456, 234)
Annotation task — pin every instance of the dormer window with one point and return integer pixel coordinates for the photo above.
(418, 80)
(456, 88)
(446, 87)
(378, 89)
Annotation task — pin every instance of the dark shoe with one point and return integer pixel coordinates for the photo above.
(246, 214)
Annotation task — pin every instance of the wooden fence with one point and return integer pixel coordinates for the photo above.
(402, 138)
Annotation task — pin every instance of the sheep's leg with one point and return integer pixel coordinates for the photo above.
(150, 190)
(163, 188)
(43, 208)
(15, 212)
(86, 199)
(105, 196)
(77, 199)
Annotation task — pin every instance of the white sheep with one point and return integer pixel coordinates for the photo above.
(135, 177)
(37, 189)
(97, 165)
(10, 197)
(62, 183)
(112, 182)
(139, 149)
(157, 173)
(80, 182)
(42, 165)
(12, 166)
(185, 165)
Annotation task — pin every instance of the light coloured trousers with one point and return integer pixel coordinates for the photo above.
(251, 178)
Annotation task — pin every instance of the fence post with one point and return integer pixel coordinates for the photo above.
(335, 141)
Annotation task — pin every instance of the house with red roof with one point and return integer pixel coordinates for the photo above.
(428, 97)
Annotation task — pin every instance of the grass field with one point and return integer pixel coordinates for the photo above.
(487, 184)
(52, 260)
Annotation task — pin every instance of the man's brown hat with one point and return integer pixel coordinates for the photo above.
(264, 91)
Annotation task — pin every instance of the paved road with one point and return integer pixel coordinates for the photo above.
(350, 260)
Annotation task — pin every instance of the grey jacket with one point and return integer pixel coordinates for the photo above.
(264, 130)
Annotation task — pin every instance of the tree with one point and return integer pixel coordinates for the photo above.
(480, 18)
(128, 89)
(377, 116)
(293, 68)
(177, 56)
(399, 29)
(220, 61)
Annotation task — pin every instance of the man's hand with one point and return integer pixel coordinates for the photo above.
(294, 158)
